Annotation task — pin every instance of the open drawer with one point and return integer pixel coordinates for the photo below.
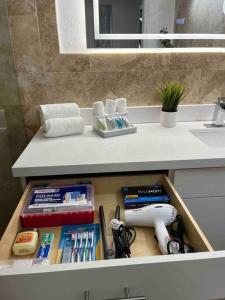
(144, 249)
(108, 194)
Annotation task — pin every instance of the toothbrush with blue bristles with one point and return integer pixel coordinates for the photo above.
(85, 238)
(79, 250)
(91, 245)
(73, 256)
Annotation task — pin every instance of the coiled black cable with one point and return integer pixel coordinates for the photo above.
(123, 237)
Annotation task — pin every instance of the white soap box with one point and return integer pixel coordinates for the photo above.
(114, 132)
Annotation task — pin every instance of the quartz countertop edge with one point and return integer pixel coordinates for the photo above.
(151, 148)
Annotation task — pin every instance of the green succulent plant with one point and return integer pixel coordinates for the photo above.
(171, 94)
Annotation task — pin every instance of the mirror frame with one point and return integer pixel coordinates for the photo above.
(148, 36)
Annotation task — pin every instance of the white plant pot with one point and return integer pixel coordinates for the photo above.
(168, 119)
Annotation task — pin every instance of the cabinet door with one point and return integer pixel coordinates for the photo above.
(209, 212)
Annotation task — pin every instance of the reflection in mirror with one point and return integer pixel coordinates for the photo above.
(155, 17)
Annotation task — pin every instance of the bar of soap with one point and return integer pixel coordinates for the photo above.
(25, 243)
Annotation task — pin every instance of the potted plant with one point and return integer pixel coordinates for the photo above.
(165, 43)
(171, 95)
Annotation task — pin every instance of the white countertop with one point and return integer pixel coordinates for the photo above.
(151, 148)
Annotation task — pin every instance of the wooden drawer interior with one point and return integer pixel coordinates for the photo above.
(108, 194)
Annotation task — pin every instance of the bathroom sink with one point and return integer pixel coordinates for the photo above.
(212, 137)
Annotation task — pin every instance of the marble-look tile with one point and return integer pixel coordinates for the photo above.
(44, 88)
(17, 138)
(141, 87)
(105, 85)
(9, 99)
(2, 119)
(9, 89)
(21, 7)
(128, 62)
(33, 87)
(212, 85)
(191, 81)
(8, 80)
(49, 88)
(26, 43)
(5, 156)
(48, 31)
(6, 63)
(32, 120)
(30, 133)
(4, 31)
(46, 5)
(68, 63)
(188, 61)
(68, 87)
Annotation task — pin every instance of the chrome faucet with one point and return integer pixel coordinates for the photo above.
(219, 114)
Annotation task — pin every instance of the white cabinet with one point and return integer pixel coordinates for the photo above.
(194, 183)
(203, 191)
(209, 212)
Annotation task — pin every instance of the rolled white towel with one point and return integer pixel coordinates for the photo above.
(63, 126)
(110, 107)
(63, 110)
(98, 108)
(121, 105)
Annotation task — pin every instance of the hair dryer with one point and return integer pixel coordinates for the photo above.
(156, 215)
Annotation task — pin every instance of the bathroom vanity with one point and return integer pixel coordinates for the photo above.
(60, 51)
(193, 175)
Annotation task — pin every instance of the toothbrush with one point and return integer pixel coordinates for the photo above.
(91, 239)
(73, 256)
(79, 248)
(85, 237)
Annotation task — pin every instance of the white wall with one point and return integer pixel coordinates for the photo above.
(71, 25)
(156, 14)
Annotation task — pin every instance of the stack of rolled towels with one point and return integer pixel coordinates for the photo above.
(61, 119)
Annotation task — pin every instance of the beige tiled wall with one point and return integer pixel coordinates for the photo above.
(45, 76)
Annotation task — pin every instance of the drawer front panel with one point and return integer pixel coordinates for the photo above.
(195, 279)
(194, 183)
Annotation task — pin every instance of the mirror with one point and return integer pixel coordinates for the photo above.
(155, 23)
